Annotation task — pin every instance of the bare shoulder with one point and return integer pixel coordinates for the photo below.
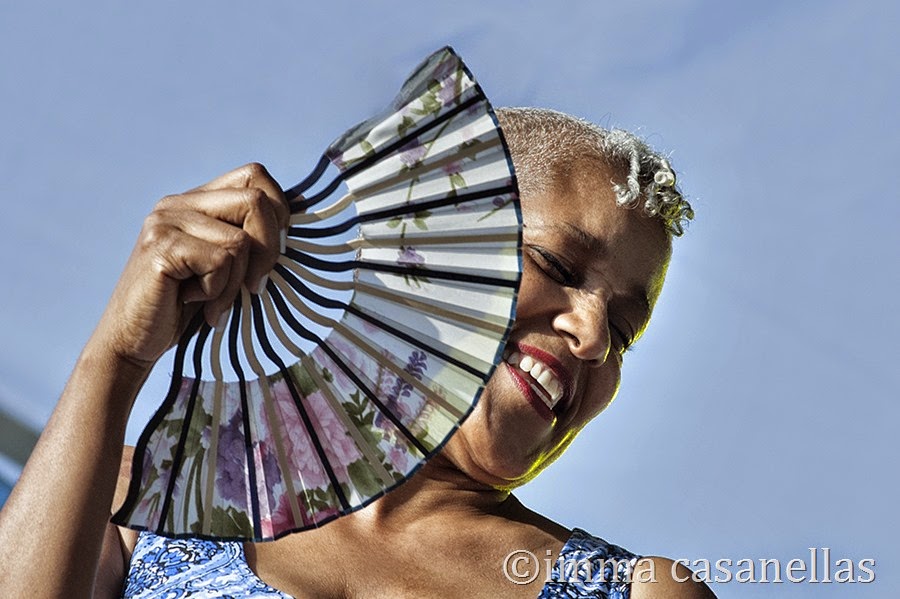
(655, 577)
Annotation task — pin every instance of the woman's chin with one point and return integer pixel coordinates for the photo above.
(497, 463)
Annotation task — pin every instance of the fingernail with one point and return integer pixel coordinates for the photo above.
(282, 241)
(262, 284)
(223, 320)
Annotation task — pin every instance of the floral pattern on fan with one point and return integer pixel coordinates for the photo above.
(316, 501)
(428, 299)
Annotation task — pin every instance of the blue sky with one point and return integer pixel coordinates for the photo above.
(756, 418)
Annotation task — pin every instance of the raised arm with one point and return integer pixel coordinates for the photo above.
(195, 251)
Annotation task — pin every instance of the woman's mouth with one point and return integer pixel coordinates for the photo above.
(539, 379)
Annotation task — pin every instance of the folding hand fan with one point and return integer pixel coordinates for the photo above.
(377, 330)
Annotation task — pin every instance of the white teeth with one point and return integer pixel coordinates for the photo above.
(543, 378)
(526, 363)
(549, 385)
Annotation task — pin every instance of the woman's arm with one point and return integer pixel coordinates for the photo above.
(194, 253)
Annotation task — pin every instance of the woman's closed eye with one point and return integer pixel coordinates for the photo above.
(620, 341)
(553, 267)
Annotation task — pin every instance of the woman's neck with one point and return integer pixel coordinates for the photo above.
(438, 489)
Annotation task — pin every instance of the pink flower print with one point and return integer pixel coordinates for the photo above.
(283, 516)
(399, 458)
(304, 462)
(339, 445)
(306, 465)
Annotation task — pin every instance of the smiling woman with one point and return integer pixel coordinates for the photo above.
(599, 209)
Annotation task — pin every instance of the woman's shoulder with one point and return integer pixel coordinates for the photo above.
(591, 566)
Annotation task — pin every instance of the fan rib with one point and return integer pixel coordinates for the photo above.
(215, 360)
(310, 428)
(388, 213)
(368, 349)
(311, 295)
(425, 166)
(306, 362)
(274, 425)
(418, 241)
(361, 442)
(296, 326)
(482, 320)
(123, 515)
(245, 414)
(309, 181)
(378, 155)
(410, 271)
(178, 458)
(325, 213)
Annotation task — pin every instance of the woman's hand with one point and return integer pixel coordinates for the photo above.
(195, 251)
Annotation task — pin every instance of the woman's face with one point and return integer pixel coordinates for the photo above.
(592, 273)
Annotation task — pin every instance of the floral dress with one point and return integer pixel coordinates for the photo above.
(161, 567)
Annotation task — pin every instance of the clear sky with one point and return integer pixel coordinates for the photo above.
(756, 419)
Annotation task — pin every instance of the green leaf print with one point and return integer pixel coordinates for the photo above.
(230, 523)
(363, 478)
(419, 219)
(405, 124)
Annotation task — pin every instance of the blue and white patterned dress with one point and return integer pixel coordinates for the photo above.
(161, 567)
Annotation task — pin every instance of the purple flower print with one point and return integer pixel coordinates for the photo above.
(399, 458)
(447, 67)
(412, 153)
(231, 481)
(453, 168)
(400, 399)
(447, 93)
(410, 257)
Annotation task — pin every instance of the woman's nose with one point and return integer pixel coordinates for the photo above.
(585, 328)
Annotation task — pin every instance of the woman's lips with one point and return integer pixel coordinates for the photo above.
(527, 389)
(540, 377)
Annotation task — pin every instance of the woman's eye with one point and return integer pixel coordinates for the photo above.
(619, 340)
(555, 269)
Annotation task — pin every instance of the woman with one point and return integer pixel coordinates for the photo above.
(599, 209)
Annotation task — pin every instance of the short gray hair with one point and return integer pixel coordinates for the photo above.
(547, 146)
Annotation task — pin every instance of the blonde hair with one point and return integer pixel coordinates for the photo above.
(548, 147)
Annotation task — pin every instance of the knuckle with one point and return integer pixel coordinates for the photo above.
(239, 241)
(255, 199)
(155, 231)
(252, 173)
(167, 202)
(220, 259)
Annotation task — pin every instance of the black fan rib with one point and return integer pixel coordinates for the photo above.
(292, 322)
(327, 302)
(259, 327)
(307, 203)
